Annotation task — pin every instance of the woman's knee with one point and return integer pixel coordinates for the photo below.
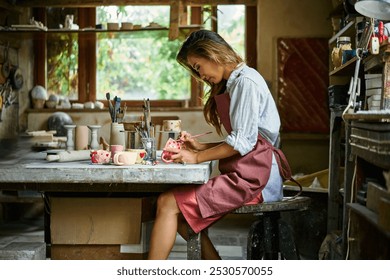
(167, 202)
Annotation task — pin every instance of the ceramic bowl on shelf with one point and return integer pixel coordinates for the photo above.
(38, 103)
(112, 26)
(51, 104)
(127, 26)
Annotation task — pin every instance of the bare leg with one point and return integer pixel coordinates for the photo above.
(208, 251)
(165, 227)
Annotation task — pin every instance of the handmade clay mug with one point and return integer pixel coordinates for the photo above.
(140, 154)
(171, 143)
(172, 125)
(100, 156)
(125, 158)
(115, 149)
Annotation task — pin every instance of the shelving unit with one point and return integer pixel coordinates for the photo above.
(338, 76)
(341, 74)
(345, 69)
(362, 237)
(367, 156)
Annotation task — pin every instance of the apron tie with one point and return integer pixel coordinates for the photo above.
(284, 169)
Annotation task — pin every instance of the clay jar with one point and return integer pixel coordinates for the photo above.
(117, 134)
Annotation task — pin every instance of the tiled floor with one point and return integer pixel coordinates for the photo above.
(228, 235)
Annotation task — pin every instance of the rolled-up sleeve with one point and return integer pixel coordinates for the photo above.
(244, 114)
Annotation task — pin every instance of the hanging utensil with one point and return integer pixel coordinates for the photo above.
(16, 77)
(6, 68)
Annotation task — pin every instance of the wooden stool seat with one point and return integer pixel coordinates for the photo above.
(269, 236)
(287, 204)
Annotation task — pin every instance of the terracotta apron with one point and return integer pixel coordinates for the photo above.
(242, 177)
(241, 180)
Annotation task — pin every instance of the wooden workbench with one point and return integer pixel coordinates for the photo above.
(83, 180)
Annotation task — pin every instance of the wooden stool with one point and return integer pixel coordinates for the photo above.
(269, 236)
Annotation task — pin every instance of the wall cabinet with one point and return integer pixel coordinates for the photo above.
(367, 159)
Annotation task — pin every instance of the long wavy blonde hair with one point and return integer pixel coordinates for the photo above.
(211, 46)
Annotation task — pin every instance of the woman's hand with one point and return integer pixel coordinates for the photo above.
(222, 150)
(182, 155)
(189, 142)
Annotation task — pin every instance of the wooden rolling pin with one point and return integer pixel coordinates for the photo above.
(69, 156)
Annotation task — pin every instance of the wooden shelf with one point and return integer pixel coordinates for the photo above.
(347, 68)
(100, 33)
(93, 30)
(368, 116)
(369, 215)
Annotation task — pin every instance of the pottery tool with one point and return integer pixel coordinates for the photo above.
(147, 117)
(117, 107)
(200, 135)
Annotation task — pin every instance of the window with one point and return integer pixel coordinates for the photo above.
(62, 56)
(142, 63)
(83, 65)
(231, 26)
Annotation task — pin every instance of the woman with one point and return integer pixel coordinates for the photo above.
(240, 100)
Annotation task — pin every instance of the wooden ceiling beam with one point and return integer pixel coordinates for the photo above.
(94, 3)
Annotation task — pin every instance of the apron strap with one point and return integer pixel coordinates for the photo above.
(285, 170)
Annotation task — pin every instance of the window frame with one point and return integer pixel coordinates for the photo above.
(87, 57)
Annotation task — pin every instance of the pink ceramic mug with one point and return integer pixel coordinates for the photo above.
(125, 158)
(171, 143)
(115, 149)
(100, 156)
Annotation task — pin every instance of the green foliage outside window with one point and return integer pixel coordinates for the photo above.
(140, 64)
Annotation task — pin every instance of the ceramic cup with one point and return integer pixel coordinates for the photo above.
(112, 25)
(115, 149)
(127, 25)
(125, 158)
(171, 143)
(140, 154)
(172, 125)
(100, 157)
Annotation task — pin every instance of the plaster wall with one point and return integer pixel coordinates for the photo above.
(293, 19)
